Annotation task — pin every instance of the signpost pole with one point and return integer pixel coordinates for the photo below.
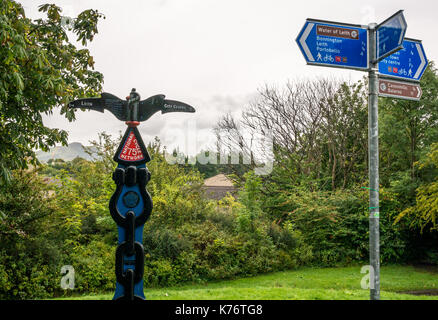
(373, 167)
(131, 205)
(340, 45)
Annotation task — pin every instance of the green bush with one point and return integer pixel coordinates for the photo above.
(164, 243)
(336, 225)
(26, 277)
(160, 273)
(187, 238)
(94, 266)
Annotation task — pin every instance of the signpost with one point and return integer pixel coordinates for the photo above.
(390, 34)
(341, 45)
(399, 89)
(131, 205)
(334, 44)
(409, 63)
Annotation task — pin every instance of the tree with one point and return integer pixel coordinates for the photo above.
(345, 122)
(104, 150)
(408, 128)
(318, 129)
(425, 211)
(31, 245)
(40, 69)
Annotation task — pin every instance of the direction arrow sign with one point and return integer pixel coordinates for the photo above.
(408, 63)
(390, 34)
(334, 44)
(397, 89)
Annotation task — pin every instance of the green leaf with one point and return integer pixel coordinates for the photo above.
(18, 80)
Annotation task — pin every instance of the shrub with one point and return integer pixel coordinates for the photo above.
(94, 267)
(336, 225)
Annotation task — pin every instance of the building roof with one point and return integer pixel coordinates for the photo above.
(219, 180)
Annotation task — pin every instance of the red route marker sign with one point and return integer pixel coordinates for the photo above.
(131, 150)
(398, 89)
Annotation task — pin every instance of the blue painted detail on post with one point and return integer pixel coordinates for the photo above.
(390, 35)
(334, 45)
(408, 63)
(130, 199)
(130, 207)
(138, 236)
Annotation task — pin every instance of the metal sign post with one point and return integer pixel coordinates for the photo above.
(341, 45)
(131, 205)
(373, 167)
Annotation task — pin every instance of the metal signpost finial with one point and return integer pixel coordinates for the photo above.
(131, 205)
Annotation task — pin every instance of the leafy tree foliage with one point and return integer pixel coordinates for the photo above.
(408, 128)
(187, 238)
(409, 132)
(31, 251)
(426, 208)
(320, 166)
(319, 132)
(40, 69)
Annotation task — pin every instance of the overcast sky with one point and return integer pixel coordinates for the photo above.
(213, 54)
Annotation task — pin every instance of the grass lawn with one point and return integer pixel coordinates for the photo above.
(302, 284)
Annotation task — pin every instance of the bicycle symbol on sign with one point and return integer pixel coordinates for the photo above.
(328, 58)
(403, 72)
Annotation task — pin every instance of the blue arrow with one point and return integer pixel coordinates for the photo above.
(334, 44)
(390, 34)
(408, 63)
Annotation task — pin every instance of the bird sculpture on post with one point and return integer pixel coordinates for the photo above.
(131, 205)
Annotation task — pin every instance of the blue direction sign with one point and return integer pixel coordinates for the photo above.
(409, 63)
(334, 44)
(390, 34)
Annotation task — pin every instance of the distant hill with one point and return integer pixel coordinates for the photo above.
(73, 150)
